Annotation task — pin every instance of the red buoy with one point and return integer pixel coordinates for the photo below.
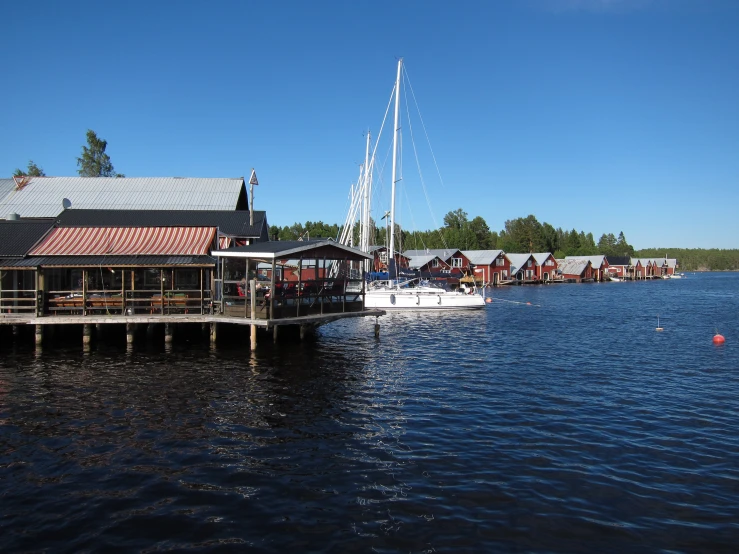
(718, 339)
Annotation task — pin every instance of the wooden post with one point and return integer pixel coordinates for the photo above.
(253, 291)
(130, 331)
(168, 332)
(39, 335)
(274, 333)
(303, 331)
(272, 291)
(213, 332)
(298, 297)
(322, 290)
(86, 333)
(161, 291)
(40, 287)
(84, 292)
(202, 278)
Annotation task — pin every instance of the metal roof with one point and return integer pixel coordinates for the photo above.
(107, 261)
(43, 196)
(234, 223)
(443, 253)
(597, 260)
(542, 257)
(281, 249)
(573, 266)
(517, 261)
(415, 262)
(6, 187)
(18, 237)
(482, 257)
(618, 260)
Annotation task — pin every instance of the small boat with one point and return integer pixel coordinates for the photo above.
(615, 278)
(676, 276)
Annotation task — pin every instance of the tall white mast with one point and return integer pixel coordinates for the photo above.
(391, 254)
(366, 189)
(366, 183)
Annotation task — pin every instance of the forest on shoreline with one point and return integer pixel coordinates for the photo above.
(523, 234)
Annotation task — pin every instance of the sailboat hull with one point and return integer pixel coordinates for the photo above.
(422, 300)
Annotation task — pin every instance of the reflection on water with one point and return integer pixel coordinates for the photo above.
(564, 425)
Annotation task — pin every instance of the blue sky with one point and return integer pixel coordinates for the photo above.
(598, 115)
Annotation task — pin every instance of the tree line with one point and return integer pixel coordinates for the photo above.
(523, 234)
(93, 162)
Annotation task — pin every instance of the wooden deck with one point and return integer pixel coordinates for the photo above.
(311, 319)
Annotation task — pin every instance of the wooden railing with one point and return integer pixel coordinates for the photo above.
(293, 299)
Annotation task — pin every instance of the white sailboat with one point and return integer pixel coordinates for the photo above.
(411, 294)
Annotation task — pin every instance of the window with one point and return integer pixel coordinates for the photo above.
(187, 279)
(435, 262)
(499, 261)
(383, 256)
(456, 262)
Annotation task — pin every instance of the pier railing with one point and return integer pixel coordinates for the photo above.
(130, 302)
(294, 299)
(18, 301)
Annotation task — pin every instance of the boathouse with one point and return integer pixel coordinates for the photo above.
(575, 270)
(598, 263)
(546, 266)
(491, 267)
(620, 266)
(523, 268)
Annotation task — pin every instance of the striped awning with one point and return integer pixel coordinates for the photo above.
(124, 241)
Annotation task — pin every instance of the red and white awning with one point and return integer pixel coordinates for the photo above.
(123, 241)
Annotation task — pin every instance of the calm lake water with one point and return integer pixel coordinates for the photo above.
(564, 425)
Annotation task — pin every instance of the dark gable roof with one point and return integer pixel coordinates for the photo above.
(618, 260)
(315, 248)
(234, 223)
(18, 237)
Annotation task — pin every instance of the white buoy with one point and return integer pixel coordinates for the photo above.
(658, 327)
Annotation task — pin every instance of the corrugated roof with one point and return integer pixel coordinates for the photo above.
(18, 237)
(234, 223)
(6, 187)
(572, 266)
(517, 261)
(542, 257)
(597, 260)
(416, 262)
(42, 196)
(443, 253)
(482, 257)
